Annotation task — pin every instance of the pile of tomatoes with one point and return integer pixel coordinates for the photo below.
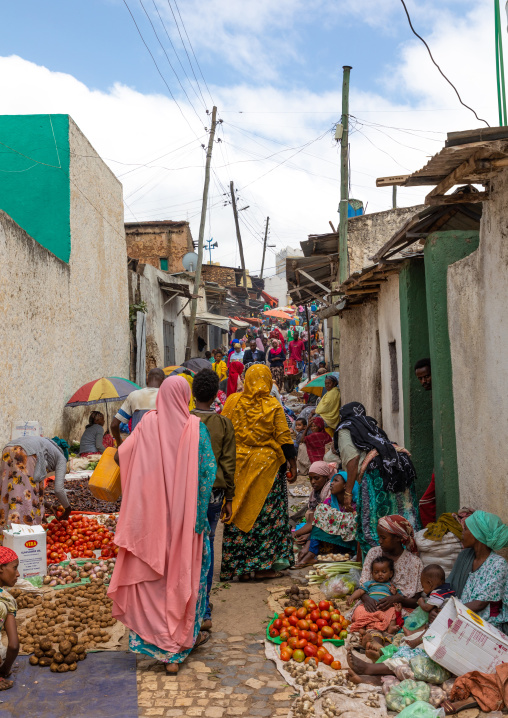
(303, 631)
(79, 537)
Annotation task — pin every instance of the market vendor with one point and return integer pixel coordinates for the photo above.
(138, 403)
(91, 439)
(26, 462)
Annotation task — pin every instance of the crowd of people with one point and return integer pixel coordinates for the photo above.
(223, 445)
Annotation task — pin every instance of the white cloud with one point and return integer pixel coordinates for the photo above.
(302, 195)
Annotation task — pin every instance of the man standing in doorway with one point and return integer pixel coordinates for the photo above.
(428, 500)
(138, 403)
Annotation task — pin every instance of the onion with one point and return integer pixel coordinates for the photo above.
(52, 583)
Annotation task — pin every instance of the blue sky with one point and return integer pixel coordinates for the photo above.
(280, 64)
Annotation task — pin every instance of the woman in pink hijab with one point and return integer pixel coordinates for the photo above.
(167, 468)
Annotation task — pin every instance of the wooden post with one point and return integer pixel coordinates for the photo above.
(204, 204)
(344, 178)
(239, 238)
(264, 249)
(394, 196)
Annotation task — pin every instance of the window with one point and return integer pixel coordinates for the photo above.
(394, 375)
(163, 263)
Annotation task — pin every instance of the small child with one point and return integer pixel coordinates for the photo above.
(434, 586)
(382, 570)
(9, 574)
(299, 429)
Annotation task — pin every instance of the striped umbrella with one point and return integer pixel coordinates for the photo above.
(107, 388)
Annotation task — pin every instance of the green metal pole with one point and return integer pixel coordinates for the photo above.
(501, 88)
(344, 178)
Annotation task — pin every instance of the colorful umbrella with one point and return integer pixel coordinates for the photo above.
(107, 388)
(317, 385)
(172, 370)
(197, 364)
(277, 314)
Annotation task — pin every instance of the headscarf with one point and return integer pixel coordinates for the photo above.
(7, 555)
(329, 407)
(334, 502)
(321, 468)
(488, 529)
(316, 442)
(160, 531)
(261, 431)
(399, 526)
(278, 349)
(235, 370)
(396, 468)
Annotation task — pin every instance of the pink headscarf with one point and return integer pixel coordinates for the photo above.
(323, 468)
(156, 579)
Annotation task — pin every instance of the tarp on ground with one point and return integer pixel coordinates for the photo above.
(103, 686)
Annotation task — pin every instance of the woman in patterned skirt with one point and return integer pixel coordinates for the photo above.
(258, 537)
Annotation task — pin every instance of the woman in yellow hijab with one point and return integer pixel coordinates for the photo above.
(258, 537)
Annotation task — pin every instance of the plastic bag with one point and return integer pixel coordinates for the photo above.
(353, 575)
(387, 652)
(425, 669)
(437, 696)
(337, 587)
(388, 682)
(420, 709)
(447, 686)
(403, 670)
(416, 619)
(407, 693)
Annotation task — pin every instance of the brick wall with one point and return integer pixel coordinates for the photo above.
(225, 276)
(149, 243)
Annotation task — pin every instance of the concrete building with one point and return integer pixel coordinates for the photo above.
(63, 275)
(277, 285)
(160, 243)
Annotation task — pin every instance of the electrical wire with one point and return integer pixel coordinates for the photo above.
(158, 68)
(384, 151)
(192, 50)
(440, 70)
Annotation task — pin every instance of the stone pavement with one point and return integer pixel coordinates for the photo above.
(229, 676)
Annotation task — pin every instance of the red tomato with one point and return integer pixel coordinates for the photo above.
(314, 627)
(312, 605)
(327, 632)
(314, 615)
(336, 665)
(286, 654)
(334, 616)
(301, 643)
(337, 627)
(292, 642)
(301, 613)
(328, 659)
(321, 622)
(293, 631)
(310, 650)
(285, 623)
(277, 623)
(273, 632)
(321, 652)
(325, 615)
(324, 605)
(307, 603)
(289, 610)
(284, 634)
(74, 554)
(312, 637)
(319, 640)
(303, 634)
(298, 655)
(293, 620)
(89, 554)
(303, 625)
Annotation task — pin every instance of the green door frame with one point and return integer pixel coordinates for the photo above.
(441, 250)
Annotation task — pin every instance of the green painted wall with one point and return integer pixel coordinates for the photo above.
(418, 434)
(441, 250)
(34, 178)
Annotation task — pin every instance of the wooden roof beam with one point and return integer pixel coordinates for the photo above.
(458, 199)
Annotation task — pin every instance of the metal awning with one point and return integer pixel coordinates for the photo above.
(175, 288)
(238, 323)
(311, 278)
(214, 319)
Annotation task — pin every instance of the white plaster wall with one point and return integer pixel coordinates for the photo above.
(389, 331)
(277, 286)
(478, 327)
(64, 324)
(360, 378)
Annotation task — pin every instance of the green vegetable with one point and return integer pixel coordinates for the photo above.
(324, 571)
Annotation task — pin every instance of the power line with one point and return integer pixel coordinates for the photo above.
(385, 152)
(158, 68)
(440, 70)
(192, 50)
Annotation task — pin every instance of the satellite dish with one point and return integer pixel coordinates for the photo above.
(190, 261)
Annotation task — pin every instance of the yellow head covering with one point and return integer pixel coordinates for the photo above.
(261, 430)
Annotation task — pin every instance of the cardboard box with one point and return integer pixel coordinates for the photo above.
(29, 542)
(26, 428)
(461, 641)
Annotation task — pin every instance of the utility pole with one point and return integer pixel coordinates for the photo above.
(239, 238)
(344, 178)
(204, 205)
(264, 249)
(394, 196)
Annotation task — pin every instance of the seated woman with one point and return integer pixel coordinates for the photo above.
(333, 528)
(396, 541)
(328, 407)
(320, 474)
(91, 439)
(315, 439)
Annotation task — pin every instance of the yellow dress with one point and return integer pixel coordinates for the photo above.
(221, 369)
(260, 429)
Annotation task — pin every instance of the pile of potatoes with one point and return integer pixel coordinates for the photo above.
(83, 614)
(25, 600)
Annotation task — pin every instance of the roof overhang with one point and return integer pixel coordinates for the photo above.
(176, 289)
(311, 278)
(214, 319)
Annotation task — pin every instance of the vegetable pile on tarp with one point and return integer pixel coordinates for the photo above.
(324, 571)
(80, 497)
(79, 536)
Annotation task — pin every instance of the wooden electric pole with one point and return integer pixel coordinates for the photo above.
(394, 197)
(264, 249)
(204, 205)
(344, 178)
(239, 238)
